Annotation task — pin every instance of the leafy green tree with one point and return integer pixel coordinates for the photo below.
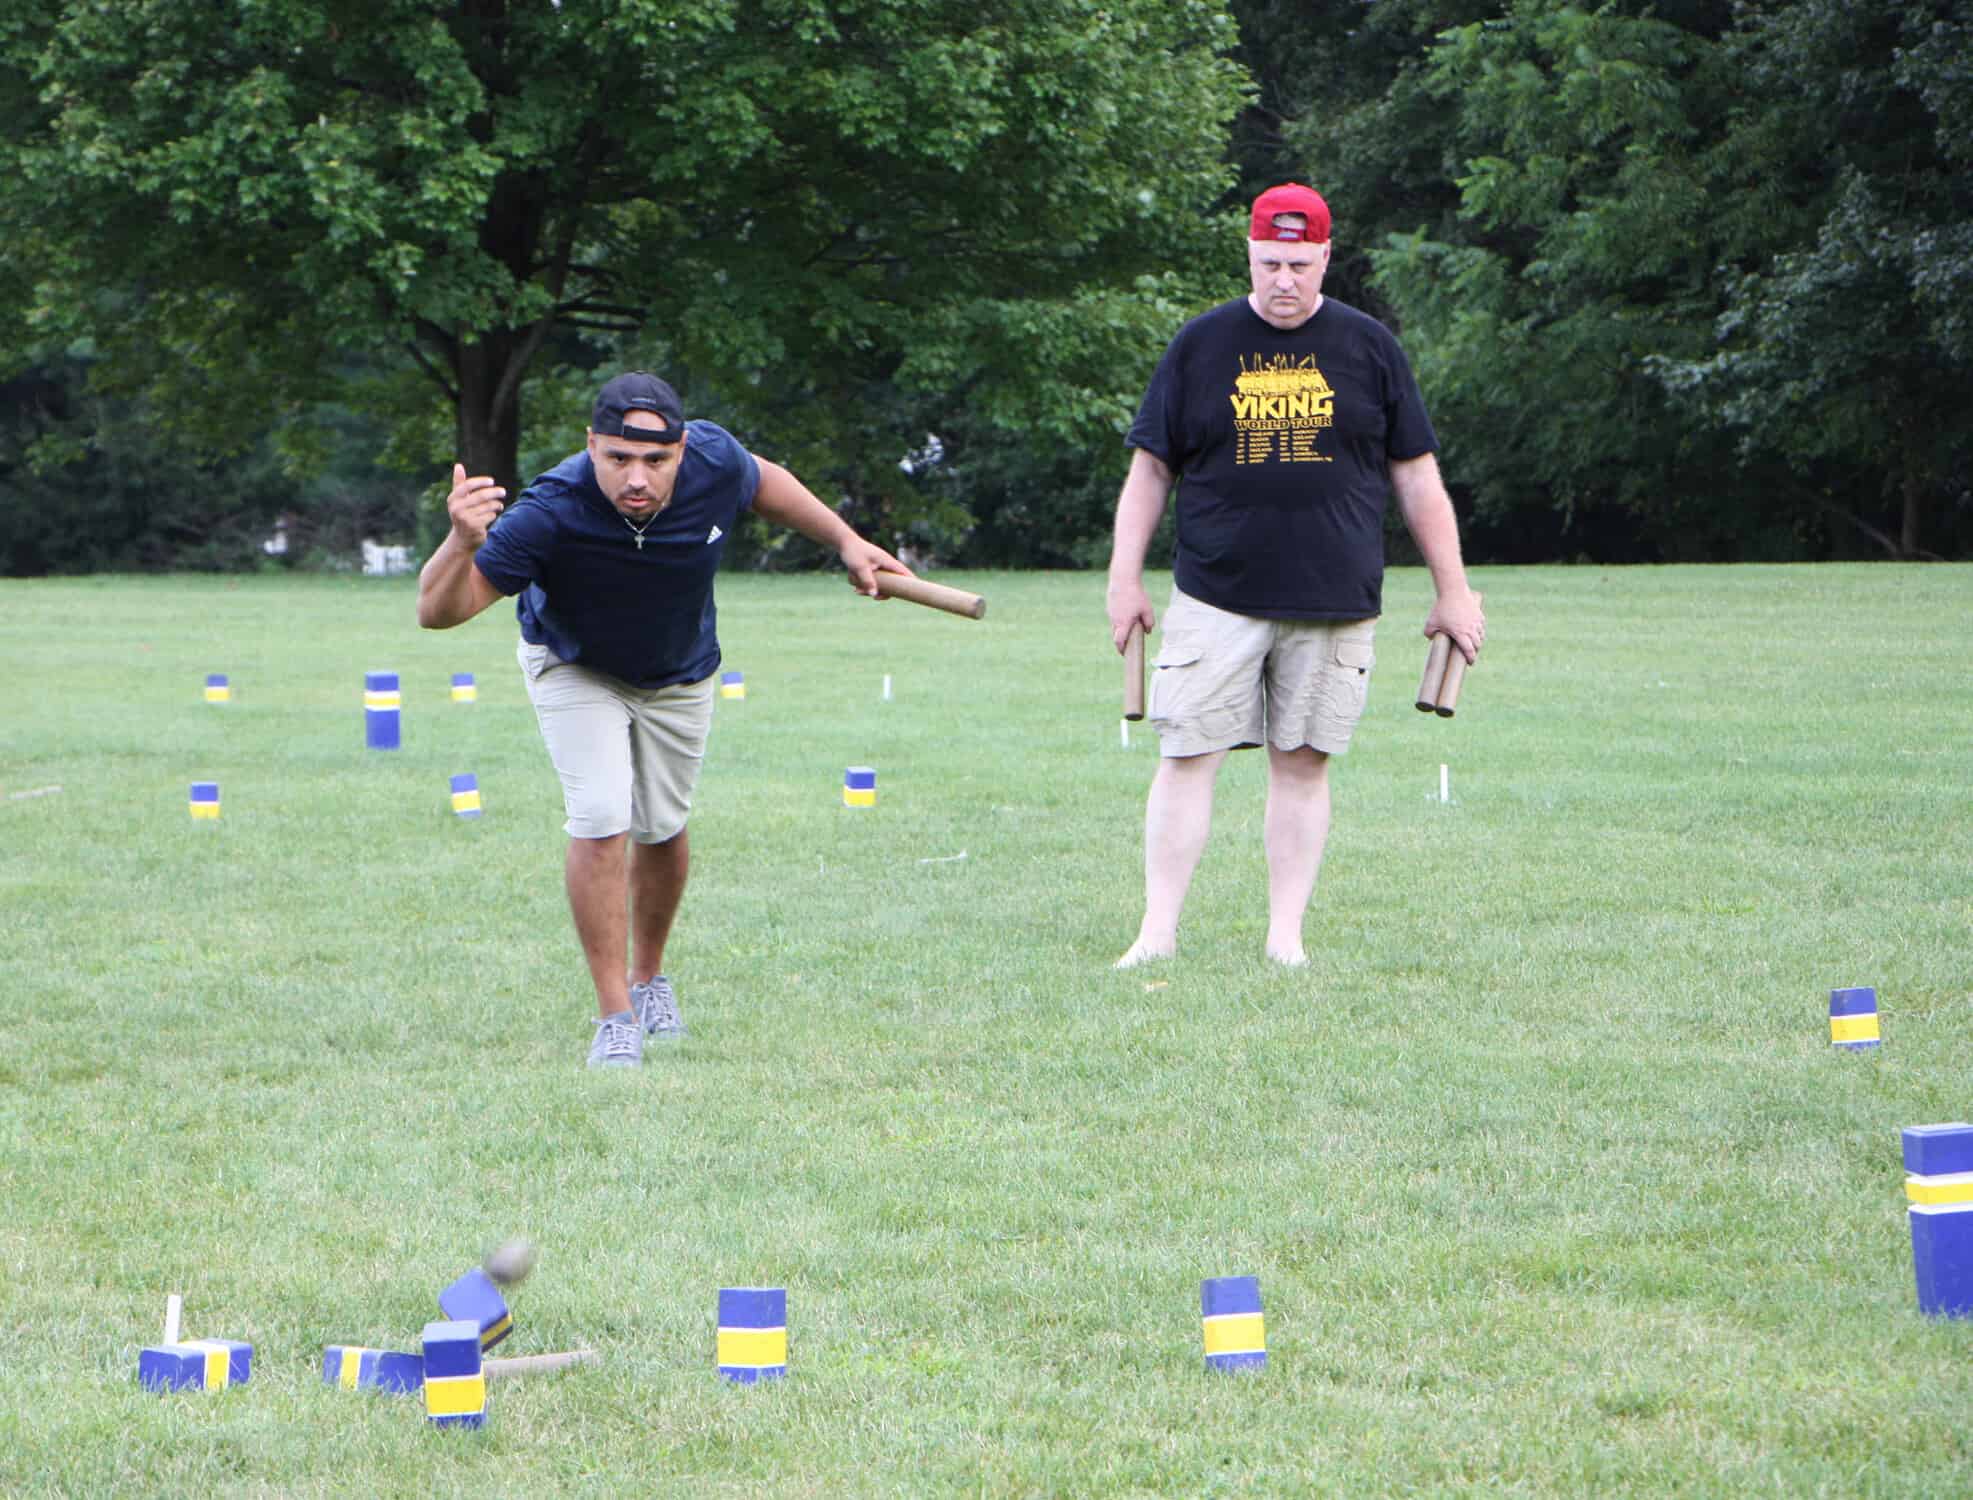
(1339, 104)
(1635, 248)
(1585, 244)
(801, 203)
(1849, 353)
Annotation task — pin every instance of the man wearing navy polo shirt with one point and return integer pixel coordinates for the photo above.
(613, 553)
(1287, 420)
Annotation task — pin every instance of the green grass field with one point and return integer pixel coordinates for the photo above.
(1550, 1176)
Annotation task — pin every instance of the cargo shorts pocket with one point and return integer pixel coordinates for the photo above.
(1360, 655)
(1353, 660)
(1167, 684)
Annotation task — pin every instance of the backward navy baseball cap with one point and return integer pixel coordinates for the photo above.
(1290, 199)
(642, 393)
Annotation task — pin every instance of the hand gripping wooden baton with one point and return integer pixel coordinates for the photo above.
(1445, 674)
(1134, 673)
(933, 595)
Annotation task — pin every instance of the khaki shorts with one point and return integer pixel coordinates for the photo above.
(628, 757)
(1231, 682)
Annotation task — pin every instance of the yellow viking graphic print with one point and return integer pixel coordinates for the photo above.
(1279, 408)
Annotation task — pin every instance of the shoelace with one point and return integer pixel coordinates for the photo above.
(663, 1009)
(619, 1040)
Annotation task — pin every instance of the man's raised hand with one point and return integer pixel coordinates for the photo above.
(472, 505)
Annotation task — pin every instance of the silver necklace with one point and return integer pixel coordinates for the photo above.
(635, 530)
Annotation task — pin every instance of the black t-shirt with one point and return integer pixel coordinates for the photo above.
(1283, 441)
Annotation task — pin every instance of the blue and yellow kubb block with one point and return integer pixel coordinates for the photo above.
(1938, 1163)
(1230, 1309)
(205, 799)
(466, 795)
(464, 689)
(860, 787)
(732, 685)
(218, 689)
(475, 1299)
(354, 1368)
(1853, 1019)
(382, 703)
(195, 1365)
(455, 1374)
(753, 1333)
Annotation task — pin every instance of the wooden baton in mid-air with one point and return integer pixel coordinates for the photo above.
(933, 595)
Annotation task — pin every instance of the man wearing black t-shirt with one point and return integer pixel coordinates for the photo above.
(1287, 419)
(612, 553)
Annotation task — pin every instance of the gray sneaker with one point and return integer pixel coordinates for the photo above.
(619, 1043)
(657, 1007)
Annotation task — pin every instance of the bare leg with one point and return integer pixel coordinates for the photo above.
(598, 885)
(1295, 832)
(1177, 817)
(657, 884)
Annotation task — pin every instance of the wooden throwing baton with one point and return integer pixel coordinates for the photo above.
(933, 595)
(1445, 674)
(1434, 678)
(535, 1364)
(1134, 672)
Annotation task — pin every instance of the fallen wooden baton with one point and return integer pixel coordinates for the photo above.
(536, 1364)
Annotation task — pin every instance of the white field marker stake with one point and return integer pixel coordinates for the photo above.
(887, 687)
(1445, 785)
(173, 1306)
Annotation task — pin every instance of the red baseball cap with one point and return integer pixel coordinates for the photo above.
(1290, 198)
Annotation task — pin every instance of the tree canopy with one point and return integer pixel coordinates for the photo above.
(1680, 278)
(1696, 265)
(794, 202)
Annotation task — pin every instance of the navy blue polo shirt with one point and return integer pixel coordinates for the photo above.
(591, 594)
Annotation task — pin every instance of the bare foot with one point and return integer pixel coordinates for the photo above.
(1140, 953)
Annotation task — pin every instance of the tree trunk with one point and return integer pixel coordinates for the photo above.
(1914, 513)
(488, 418)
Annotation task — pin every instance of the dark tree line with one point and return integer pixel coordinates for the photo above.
(1682, 280)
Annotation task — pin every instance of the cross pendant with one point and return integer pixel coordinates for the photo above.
(640, 542)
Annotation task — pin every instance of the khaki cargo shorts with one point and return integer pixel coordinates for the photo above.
(1231, 682)
(628, 757)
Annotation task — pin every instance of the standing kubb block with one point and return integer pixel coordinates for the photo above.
(474, 1298)
(195, 1365)
(455, 1374)
(753, 1333)
(464, 689)
(860, 787)
(218, 689)
(1938, 1163)
(1236, 1337)
(1853, 1019)
(732, 685)
(358, 1369)
(382, 704)
(466, 795)
(205, 799)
